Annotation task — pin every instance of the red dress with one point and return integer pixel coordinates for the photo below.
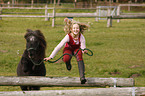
(71, 48)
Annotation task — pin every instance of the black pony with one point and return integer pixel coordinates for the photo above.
(31, 63)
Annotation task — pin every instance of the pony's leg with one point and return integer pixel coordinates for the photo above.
(24, 88)
(35, 88)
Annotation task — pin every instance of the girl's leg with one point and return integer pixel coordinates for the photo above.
(81, 66)
(67, 58)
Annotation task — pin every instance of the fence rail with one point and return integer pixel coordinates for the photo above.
(64, 81)
(130, 91)
(109, 19)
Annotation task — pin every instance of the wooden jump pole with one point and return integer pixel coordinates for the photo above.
(130, 91)
(64, 81)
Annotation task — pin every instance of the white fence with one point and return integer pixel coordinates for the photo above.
(109, 12)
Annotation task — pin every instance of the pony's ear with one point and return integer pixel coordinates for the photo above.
(29, 30)
(38, 31)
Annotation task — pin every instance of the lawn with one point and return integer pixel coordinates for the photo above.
(118, 51)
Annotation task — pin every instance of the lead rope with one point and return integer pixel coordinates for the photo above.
(72, 55)
(62, 57)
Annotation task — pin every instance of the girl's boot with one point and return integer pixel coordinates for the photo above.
(81, 67)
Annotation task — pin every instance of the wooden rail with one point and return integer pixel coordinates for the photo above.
(56, 15)
(130, 91)
(64, 81)
(109, 18)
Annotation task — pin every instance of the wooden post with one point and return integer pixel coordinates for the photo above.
(0, 11)
(13, 2)
(46, 13)
(97, 13)
(118, 13)
(91, 4)
(32, 2)
(109, 19)
(129, 7)
(96, 1)
(110, 1)
(75, 3)
(8, 3)
(53, 19)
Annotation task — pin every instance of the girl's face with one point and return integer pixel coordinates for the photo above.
(76, 29)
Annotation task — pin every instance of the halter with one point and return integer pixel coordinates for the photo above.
(31, 48)
(34, 62)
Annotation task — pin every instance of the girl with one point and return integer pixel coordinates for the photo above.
(73, 41)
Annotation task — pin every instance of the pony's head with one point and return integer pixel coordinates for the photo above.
(35, 44)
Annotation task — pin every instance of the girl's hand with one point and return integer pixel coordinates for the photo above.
(46, 59)
(85, 51)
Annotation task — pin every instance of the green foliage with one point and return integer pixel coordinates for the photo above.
(118, 51)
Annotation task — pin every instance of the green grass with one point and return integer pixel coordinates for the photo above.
(116, 49)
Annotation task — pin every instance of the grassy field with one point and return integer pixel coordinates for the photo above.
(118, 51)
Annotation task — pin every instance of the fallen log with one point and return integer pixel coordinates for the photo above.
(64, 81)
(130, 91)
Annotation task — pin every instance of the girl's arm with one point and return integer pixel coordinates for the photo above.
(83, 43)
(58, 47)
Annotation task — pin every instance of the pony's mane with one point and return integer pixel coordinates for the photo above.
(38, 34)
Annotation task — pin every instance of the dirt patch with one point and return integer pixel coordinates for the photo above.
(135, 75)
(3, 51)
(114, 73)
(135, 66)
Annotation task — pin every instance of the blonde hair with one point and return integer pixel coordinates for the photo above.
(69, 23)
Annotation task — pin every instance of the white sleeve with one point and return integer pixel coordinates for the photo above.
(59, 46)
(83, 42)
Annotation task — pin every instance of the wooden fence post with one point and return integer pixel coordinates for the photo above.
(0, 11)
(53, 18)
(97, 13)
(8, 3)
(32, 2)
(118, 13)
(109, 18)
(46, 13)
